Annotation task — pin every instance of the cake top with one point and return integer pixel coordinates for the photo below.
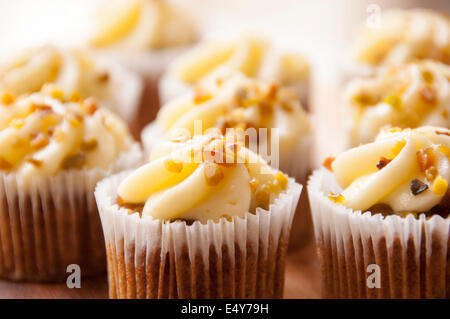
(407, 95)
(138, 25)
(403, 36)
(200, 179)
(251, 55)
(72, 70)
(44, 133)
(403, 171)
(233, 100)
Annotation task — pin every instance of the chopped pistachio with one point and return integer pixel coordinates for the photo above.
(213, 174)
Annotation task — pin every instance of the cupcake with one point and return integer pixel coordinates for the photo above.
(406, 95)
(251, 55)
(213, 221)
(381, 217)
(238, 105)
(74, 71)
(403, 36)
(144, 35)
(53, 153)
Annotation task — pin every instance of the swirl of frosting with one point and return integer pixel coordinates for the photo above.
(74, 71)
(409, 170)
(235, 101)
(140, 25)
(404, 36)
(43, 133)
(407, 95)
(204, 178)
(248, 54)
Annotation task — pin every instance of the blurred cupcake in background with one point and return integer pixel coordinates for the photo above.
(406, 95)
(76, 73)
(381, 217)
(53, 151)
(205, 218)
(252, 55)
(403, 36)
(144, 35)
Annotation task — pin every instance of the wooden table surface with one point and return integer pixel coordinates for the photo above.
(302, 281)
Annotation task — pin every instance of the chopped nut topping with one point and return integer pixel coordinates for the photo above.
(425, 158)
(33, 161)
(39, 141)
(395, 101)
(364, 99)
(74, 119)
(103, 77)
(201, 97)
(17, 123)
(337, 198)
(75, 97)
(428, 95)
(328, 162)
(213, 174)
(282, 180)
(75, 161)
(43, 108)
(272, 92)
(431, 174)
(7, 98)
(444, 150)
(428, 76)
(440, 186)
(383, 162)
(172, 166)
(90, 145)
(90, 106)
(417, 187)
(442, 133)
(5, 165)
(57, 94)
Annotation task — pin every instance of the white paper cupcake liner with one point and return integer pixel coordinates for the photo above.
(53, 222)
(238, 258)
(412, 254)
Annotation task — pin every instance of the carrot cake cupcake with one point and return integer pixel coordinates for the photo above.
(404, 36)
(205, 218)
(74, 71)
(234, 103)
(53, 151)
(406, 95)
(144, 35)
(251, 55)
(381, 217)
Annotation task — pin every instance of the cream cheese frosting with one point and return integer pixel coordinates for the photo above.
(204, 178)
(404, 36)
(408, 170)
(251, 55)
(74, 71)
(236, 101)
(139, 25)
(43, 133)
(407, 95)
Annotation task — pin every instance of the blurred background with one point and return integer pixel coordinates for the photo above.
(320, 29)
